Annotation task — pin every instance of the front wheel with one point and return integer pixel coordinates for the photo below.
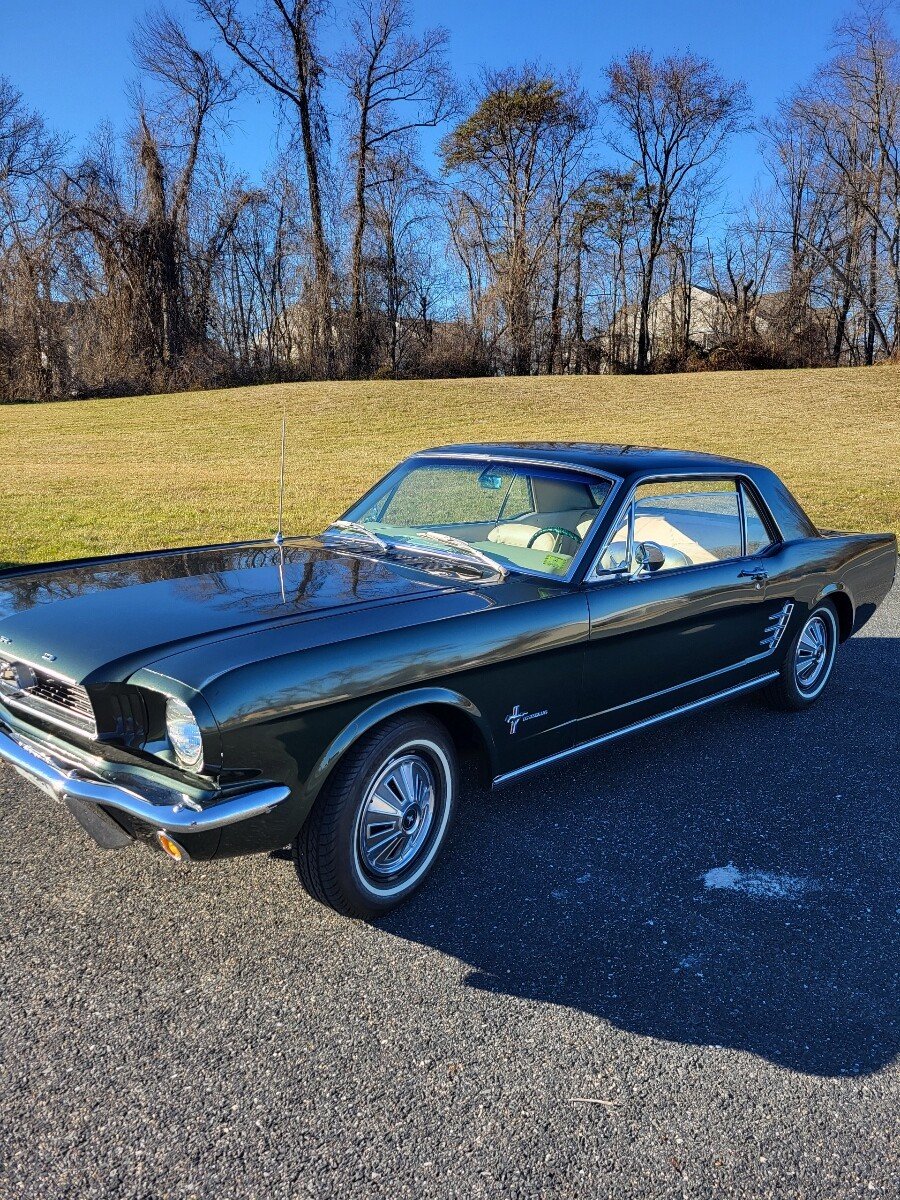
(381, 820)
(807, 665)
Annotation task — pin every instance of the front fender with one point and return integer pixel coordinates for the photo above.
(391, 706)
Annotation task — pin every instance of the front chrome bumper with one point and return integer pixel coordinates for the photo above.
(167, 809)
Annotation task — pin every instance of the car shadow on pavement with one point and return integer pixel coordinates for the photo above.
(728, 880)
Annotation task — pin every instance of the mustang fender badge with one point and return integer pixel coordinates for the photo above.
(516, 716)
(4, 640)
(48, 657)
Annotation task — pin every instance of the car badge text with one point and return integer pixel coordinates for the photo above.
(48, 657)
(517, 716)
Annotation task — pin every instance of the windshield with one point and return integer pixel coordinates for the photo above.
(521, 517)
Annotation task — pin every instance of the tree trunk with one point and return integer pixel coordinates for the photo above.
(872, 298)
(577, 313)
(555, 302)
(321, 254)
(357, 365)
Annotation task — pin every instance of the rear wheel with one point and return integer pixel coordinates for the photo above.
(807, 665)
(380, 822)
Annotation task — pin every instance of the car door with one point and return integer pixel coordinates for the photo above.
(689, 627)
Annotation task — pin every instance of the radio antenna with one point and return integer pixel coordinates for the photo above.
(279, 536)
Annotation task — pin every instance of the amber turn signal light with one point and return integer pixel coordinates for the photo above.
(171, 847)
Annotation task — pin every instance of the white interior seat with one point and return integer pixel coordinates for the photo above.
(666, 533)
(528, 527)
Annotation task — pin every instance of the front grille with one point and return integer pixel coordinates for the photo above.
(33, 690)
(65, 695)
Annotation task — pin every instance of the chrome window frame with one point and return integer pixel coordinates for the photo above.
(745, 487)
(615, 482)
(598, 574)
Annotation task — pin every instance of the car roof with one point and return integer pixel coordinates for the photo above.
(616, 460)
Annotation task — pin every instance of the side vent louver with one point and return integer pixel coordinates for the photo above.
(777, 624)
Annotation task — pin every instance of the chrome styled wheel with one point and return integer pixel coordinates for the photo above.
(402, 818)
(815, 653)
(396, 815)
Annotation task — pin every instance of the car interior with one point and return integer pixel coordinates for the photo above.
(560, 519)
(539, 521)
(689, 528)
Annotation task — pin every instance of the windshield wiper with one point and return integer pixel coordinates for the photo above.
(469, 550)
(356, 527)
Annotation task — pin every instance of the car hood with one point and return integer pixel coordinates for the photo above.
(102, 619)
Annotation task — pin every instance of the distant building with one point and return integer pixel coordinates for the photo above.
(708, 319)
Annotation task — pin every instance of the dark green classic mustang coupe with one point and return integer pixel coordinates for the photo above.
(512, 604)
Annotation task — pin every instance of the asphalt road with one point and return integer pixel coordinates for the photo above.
(669, 968)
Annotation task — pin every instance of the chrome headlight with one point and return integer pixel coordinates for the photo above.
(184, 734)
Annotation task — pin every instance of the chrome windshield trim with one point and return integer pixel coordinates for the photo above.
(501, 459)
(615, 482)
(638, 725)
(52, 774)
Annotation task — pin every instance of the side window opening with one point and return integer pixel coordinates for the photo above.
(682, 522)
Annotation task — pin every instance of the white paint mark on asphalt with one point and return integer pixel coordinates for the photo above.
(758, 883)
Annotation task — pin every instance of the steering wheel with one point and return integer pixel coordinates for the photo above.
(559, 531)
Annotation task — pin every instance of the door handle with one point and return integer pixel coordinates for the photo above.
(757, 574)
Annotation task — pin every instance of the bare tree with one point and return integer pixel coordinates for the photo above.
(155, 244)
(739, 274)
(852, 111)
(277, 41)
(671, 121)
(607, 231)
(397, 83)
(33, 360)
(570, 173)
(258, 282)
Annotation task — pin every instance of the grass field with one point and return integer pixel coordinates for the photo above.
(97, 476)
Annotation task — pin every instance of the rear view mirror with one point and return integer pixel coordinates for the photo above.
(490, 482)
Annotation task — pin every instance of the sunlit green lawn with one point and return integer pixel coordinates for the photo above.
(98, 476)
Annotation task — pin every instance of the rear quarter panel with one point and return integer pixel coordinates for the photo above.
(856, 569)
(810, 564)
(867, 567)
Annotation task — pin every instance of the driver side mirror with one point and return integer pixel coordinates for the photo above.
(648, 557)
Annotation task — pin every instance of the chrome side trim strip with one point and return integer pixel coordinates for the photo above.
(679, 687)
(60, 780)
(773, 633)
(638, 725)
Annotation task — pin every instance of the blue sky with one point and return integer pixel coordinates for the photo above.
(71, 58)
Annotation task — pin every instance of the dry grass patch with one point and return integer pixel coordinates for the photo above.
(99, 476)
